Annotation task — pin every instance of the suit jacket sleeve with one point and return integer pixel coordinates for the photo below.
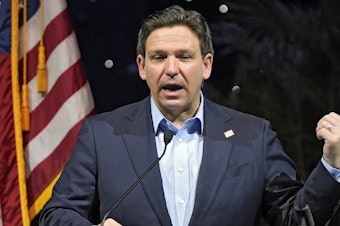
(284, 190)
(74, 196)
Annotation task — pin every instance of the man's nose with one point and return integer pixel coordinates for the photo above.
(171, 67)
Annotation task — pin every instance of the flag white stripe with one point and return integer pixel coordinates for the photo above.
(57, 63)
(52, 9)
(49, 138)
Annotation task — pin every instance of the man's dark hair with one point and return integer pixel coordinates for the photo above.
(176, 15)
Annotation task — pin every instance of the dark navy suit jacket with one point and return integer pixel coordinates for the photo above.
(242, 177)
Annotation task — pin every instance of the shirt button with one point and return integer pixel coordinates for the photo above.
(181, 170)
(180, 140)
(181, 201)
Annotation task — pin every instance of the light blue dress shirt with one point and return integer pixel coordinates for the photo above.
(180, 164)
(333, 171)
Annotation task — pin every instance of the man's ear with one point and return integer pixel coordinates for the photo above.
(141, 66)
(207, 64)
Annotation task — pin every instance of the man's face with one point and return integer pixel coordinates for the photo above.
(174, 69)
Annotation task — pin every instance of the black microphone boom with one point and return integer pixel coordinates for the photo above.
(167, 139)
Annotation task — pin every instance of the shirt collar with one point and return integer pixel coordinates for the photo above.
(158, 117)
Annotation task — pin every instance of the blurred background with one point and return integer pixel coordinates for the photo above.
(275, 59)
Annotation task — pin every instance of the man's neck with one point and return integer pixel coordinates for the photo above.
(178, 118)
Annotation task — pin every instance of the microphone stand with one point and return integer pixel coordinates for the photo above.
(167, 138)
(304, 215)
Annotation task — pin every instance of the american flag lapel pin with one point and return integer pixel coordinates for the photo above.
(229, 133)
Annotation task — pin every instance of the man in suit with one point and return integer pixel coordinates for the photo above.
(222, 167)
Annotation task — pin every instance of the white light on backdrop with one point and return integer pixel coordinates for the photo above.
(223, 8)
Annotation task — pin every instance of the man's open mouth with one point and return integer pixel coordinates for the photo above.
(172, 87)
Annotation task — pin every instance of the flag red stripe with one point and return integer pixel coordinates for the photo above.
(48, 169)
(9, 185)
(66, 85)
(55, 33)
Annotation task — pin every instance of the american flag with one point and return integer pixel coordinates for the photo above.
(55, 115)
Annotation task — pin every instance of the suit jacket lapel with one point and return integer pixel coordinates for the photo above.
(216, 154)
(139, 138)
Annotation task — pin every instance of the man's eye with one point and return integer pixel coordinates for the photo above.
(185, 57)
(158, 57)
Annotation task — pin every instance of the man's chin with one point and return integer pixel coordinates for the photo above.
(172, 104)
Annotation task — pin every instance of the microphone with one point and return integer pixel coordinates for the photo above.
(167, 139)
(304, 215)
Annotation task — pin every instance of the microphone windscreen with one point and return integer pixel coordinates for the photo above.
(168, 136)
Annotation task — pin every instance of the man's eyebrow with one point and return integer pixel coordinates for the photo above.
(180, 51)
(156, 51)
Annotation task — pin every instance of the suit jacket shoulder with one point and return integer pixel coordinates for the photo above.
(128, 112)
